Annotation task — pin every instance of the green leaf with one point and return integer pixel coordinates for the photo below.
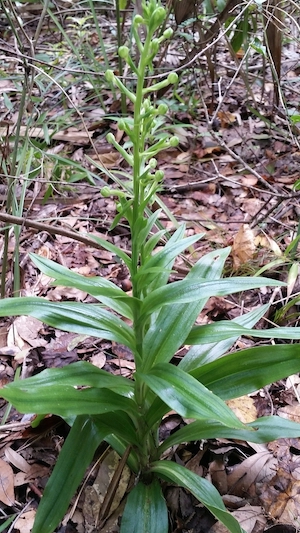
(261, 430)
(145, 510)
(248, 370)
(80, 374)
(202, 489)
(73, 390)
(172, 325)
(225, 329)
(111, 248)
(89, 319)
(186, 396)
(75, 456)
(117, 423)
(120, 445)
(201, 354)
(187, 291)
(106, 291)
(164, 259)
(145, 229)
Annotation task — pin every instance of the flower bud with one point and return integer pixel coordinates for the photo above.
(152, 162)
(159, 175)
(110, 138)
(123, 52)
(138, 19)
(168, 33)
(158, 16)
(174, 141)
(109, 76)
(173, 78)
(106, 191)
(162, 109)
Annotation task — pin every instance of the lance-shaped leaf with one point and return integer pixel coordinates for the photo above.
(187, 396)
(80, 374)
(224, 330)
(111, 247)
(69, 391)
(205, 353)
(202, 489)
(261, 430)
(75, 456)
(186, 291)
(164, 259)
(172, 325)
(145, 510)
(248, 370)
(104, 290)
(88, 319)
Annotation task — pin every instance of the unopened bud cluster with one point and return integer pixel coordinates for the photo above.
(144, 141)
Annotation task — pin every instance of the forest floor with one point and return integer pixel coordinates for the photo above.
(232, 178)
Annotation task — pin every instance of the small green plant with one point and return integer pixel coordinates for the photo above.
(154, 322)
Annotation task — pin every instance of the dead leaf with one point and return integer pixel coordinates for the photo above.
(109, 160)
(251, 518)
(243, 247)
(243, 477)
(28, 329)
(17, 460)
(94, 496)
(24, 524)
(7, 494)
(281, 497)
(244, 408)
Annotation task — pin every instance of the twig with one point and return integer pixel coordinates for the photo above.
(53, 230)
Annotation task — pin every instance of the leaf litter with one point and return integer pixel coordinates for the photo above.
(251, 207)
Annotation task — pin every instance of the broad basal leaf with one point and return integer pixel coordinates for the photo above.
(75, 456)
(261, 430)
(187, 291)
(172, 325)
(248, 370)
(104, 290)
(145, 510)
(88, 319)
(204, 491)
(68, 392)
(188, 397)
(225, 329)
(80, 374)
(202, 354)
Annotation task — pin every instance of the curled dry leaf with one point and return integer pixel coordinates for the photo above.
(243, 247)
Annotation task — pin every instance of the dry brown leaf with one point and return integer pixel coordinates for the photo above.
(266, 242)
(94, 496)
(99, 359)
(292, 412)
(7, 494)
(24, 524)
(281, 497)
(250, 517)
(244, 408)
(17, 460)
(109, 160)
(243, 247)
(256, 468)
(28, 329)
